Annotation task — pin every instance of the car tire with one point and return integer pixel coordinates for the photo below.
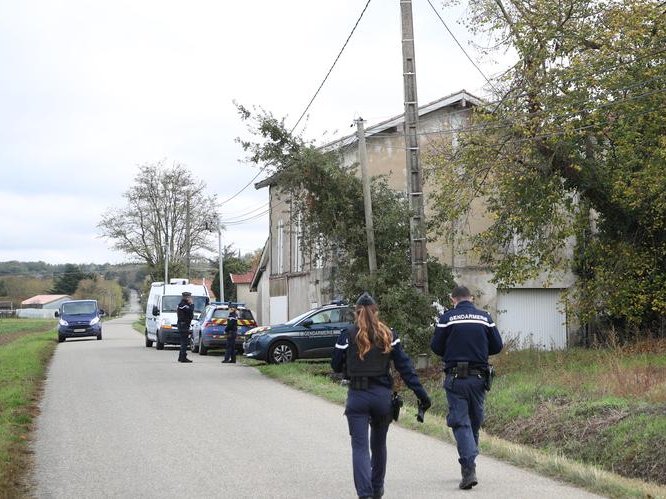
(203, 350)
(61, 339)
(282, 352)
(149, 343)
(194, 346)
(99, 336)
(158, 344)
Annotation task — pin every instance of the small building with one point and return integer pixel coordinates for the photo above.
(243, 294)
(50, 302)
(260, 286)
(41, 306)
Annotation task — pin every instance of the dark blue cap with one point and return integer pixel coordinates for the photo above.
(365, 300)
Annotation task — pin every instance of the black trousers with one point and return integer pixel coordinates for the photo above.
(230, 350)
(184, 344)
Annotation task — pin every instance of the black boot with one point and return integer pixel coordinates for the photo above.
(379, 494)
(468, 477)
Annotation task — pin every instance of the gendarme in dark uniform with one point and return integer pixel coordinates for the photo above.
(370, 391)
(464, 337)
(231, 329)
(185, 314)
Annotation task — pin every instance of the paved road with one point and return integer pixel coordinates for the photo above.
(121, 420)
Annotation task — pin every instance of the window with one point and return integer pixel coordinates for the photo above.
(297, 254)
(280, 247)
(322, 317)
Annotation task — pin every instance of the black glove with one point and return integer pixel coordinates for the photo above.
(424, 404)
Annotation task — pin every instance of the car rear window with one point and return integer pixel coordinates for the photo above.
(223, 313)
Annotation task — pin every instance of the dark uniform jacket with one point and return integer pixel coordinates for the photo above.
(232, 325)
(466, 334)
(400, 360)
(185, 314)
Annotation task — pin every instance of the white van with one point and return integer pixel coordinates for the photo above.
(161, 317)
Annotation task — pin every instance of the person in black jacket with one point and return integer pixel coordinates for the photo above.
(232, 331)
(364, 352)
(185, 313)
(464, 337)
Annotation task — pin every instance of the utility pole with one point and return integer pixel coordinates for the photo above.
(221, 251)
(417, 230)
(187, 231)
(367, 199)
(166, 263)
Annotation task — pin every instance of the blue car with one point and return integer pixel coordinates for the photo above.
(311, 335)
(79, 319)
(208, 332)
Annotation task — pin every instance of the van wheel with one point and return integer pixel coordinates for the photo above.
(61, 339)
(149, 343)
(99, 336)
(194, 346)
(159, 345)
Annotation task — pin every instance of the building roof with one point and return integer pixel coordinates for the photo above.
(245, 278)
(462, 97)
(261, 268)
(44, 299)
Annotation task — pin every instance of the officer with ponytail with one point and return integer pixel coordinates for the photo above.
(363, 353)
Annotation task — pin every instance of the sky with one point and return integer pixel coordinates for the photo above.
(90, 90)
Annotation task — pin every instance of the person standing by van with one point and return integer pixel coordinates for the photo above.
(185, 315)
(232, 331)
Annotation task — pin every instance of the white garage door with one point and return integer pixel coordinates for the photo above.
(534, 317)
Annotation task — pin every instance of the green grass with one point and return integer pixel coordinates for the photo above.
(139, 325)
(516, 401)
(15, 326)
(22, 367)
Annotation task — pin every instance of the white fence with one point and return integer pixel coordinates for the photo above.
(35, 313)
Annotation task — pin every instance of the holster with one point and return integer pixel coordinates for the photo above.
(490, 376)
(359, 383)
(462, 370)
(396, 405)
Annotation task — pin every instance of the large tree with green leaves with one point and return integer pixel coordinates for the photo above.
(574, 149)
(326, 201)
(166, 208)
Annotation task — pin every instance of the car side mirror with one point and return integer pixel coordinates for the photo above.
(207, 301)
(307, 323)
(57, 314)
(156, 311)
(102, 313)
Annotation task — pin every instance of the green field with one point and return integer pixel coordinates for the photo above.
(23, 362)
(566, 414)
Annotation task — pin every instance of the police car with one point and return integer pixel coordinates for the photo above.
(208, 332)
(311, 335)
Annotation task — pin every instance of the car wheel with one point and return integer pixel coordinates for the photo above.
(61, 339)
(203, 350)
(99, 336)
(149, 343)
(194, 346)
(158, 344)
(281, 353)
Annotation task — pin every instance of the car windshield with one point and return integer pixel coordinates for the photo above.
(79, 308)
(170, 303)
(223, 313)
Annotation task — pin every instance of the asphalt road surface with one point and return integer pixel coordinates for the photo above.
(121, 420)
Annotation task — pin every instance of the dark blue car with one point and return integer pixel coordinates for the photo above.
(79, 319)
(208, 332)
(311, 335)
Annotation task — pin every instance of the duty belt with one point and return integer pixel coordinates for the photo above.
(470, 372)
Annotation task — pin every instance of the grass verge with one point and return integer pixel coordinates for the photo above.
(22, 368)
(139, 325)
(315, 378)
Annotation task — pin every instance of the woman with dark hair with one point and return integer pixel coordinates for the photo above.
(363, 353)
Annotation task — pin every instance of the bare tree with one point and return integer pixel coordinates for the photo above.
(155, 217)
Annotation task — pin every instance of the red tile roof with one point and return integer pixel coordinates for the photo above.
(43, 299)
(242, 278)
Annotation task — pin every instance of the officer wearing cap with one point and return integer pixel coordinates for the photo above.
(464, 337)
(185, 314)
(363, 353)
(232, 330)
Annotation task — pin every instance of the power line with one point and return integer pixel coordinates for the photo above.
(459, 45)
(332, 66)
